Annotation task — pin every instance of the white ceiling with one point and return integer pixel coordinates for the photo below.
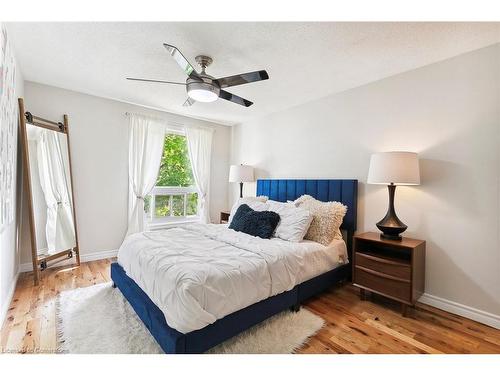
(305, 61)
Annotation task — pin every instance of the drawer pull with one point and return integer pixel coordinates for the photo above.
(381, 260)
(380, 274)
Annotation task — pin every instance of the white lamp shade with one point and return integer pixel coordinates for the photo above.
(399, 168)
(241, 173)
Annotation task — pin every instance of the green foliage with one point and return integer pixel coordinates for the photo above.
(175, 167)
(175, 170)
(192, 204)
(162, 205)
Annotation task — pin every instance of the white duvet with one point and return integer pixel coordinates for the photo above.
(200, 273)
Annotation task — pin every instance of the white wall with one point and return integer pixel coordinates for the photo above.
(9, 250)
(448, 112)
(99, 150)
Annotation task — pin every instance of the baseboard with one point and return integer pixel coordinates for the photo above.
(97, 255)
(472, 313)
(27, 267)
(8, 300)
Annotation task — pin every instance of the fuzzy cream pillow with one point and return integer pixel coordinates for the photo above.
(327, 219)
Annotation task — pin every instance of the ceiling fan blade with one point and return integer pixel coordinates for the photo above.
(234, 98)
(155, 80)
(181, 60)
(241, 79)
(189, 102)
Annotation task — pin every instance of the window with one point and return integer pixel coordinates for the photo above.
(175, 197)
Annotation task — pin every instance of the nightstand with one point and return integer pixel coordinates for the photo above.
(224, 217)
(394, 269)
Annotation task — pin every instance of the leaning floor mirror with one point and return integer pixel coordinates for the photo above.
(49, 185)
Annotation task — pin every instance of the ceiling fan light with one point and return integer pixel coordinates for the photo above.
(201, 95)
(202, 91)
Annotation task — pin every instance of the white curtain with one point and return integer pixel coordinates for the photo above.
(59, 229)
(200, 152)
(146, 139)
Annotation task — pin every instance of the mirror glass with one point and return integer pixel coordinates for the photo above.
(51, 190)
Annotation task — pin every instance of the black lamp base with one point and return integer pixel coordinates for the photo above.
(395, 237)
(390, 226)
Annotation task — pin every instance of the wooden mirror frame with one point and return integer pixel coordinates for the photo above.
(40, 263)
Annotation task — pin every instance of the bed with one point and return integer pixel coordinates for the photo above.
(198, 331)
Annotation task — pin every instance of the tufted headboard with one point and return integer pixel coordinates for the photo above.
(344, 191)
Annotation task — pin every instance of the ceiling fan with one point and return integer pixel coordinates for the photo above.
(202, 87)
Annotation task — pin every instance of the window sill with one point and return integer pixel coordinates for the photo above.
(173, 222)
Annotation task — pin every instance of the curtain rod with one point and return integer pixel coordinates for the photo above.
(154, 118)
(171, 122)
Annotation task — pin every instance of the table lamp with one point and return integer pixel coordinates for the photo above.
(241, 173)
(392, 169)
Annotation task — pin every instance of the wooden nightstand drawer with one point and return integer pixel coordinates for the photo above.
(387, 285)
(393, 267)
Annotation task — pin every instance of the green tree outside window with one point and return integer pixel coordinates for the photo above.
(175, 167)
(175, 170)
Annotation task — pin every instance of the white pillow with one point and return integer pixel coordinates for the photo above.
(294, 221)
(255, 203)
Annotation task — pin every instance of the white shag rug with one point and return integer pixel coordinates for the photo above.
(98, 319)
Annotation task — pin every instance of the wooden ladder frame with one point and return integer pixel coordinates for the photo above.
(40, 262)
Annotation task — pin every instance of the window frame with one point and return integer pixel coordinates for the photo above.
(152, 222)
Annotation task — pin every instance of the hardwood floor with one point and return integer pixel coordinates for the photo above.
(353, 326)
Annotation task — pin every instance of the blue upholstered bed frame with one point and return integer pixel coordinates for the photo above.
(172, 341)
